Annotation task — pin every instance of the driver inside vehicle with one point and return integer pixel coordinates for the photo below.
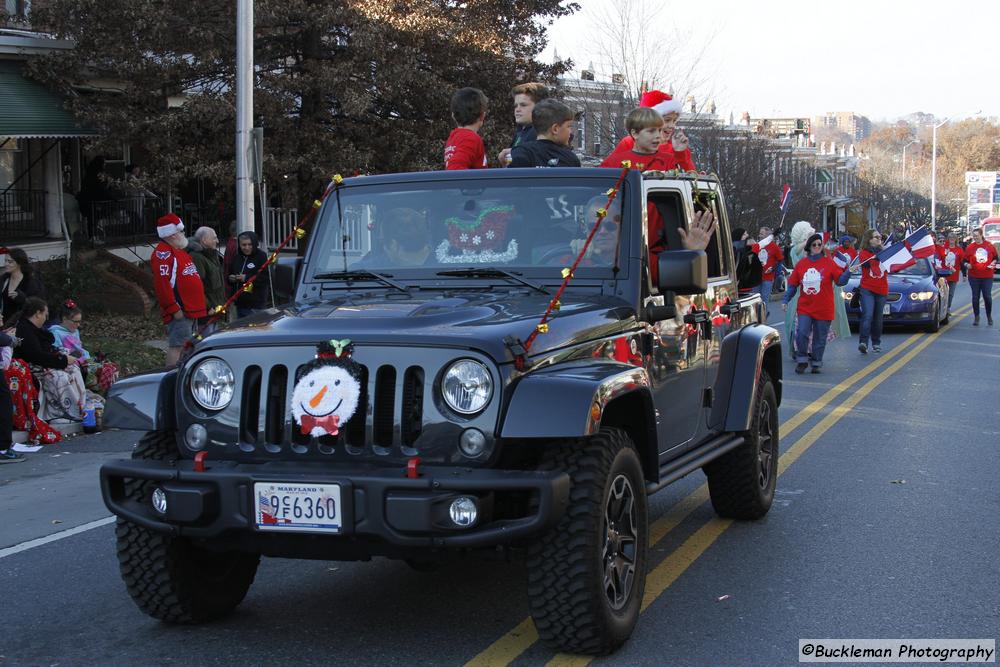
(405, 241)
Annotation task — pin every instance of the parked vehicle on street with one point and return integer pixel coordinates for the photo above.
(400, 406)
(917, 297)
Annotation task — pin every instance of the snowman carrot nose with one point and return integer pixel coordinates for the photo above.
(314, 401)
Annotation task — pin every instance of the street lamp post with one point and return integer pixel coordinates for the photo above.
(934, 174)
(244, 114)
(915, 141)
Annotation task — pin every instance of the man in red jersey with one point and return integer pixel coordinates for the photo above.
(178, 286)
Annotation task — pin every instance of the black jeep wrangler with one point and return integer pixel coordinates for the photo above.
(399, 405)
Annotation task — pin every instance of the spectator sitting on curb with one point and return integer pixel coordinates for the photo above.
(178, 286)
(18, 281)
(7, 453)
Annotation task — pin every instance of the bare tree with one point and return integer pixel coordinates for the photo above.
(637, 45)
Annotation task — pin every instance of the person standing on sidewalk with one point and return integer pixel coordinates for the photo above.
(816, 274)
(178, 286)
(981, 256)
(7, 453)
(874, 289)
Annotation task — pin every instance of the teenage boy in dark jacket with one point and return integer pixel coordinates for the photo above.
(554, 123)
(249, 261)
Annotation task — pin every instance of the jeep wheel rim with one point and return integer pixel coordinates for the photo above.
(620, 542)
(765, 441)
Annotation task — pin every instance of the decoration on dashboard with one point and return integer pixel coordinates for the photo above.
(327, 390)
(480, 238)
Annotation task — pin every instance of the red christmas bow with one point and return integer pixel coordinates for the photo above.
(329, 423)
(70, 304)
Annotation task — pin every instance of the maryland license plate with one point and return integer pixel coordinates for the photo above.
(886, 309)
(298, 508)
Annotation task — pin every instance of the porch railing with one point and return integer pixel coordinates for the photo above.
(131, 219)
(22, 214)
(279, 223)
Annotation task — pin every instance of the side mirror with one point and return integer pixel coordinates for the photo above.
(683, 271)
(286, 271)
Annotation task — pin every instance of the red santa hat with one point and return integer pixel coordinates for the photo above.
(169, 225)
(659, 101)
(3, 254)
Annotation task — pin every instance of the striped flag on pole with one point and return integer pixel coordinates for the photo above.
(895, 258)
(786, 199)
(920, 243)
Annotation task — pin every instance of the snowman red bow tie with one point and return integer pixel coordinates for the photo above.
(329, 423)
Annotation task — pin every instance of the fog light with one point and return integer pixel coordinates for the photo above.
(159, 501)
(195, 437)
(463, 511)
(472, 443)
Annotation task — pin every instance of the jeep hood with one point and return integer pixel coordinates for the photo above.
(465, 320)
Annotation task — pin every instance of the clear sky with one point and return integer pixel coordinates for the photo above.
(881, 58)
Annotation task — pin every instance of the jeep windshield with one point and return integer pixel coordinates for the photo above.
(473, 229)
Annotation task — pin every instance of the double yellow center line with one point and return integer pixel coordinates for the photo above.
(506, 649)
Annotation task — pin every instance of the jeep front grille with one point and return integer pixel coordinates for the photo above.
(389, 415)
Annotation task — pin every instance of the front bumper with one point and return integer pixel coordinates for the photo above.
(379, 505)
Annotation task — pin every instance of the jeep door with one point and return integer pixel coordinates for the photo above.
(721, 291)
(677, 362)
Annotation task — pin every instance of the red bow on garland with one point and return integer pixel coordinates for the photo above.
(329, 423)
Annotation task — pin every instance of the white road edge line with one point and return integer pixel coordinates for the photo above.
(55, 537)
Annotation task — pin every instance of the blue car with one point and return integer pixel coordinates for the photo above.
(917, 296)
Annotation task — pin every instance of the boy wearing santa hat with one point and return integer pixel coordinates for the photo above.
(178, 286)
(673, 142)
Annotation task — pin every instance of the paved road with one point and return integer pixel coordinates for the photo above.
(885, 525)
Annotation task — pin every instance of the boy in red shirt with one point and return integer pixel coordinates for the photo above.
(178, 286)
(643, 125)
(846, 246)
(464, 148)
(980, 256)
(674, 143)
(816, 274)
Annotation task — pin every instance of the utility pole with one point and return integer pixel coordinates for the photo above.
(244, 114)
(934, 175)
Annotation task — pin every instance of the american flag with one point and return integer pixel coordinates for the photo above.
(266, 509)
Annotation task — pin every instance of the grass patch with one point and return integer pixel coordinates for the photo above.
(122, 338)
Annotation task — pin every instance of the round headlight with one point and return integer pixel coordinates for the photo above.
(467, 386)
(212, 384)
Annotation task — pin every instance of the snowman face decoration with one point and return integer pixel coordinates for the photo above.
(949, 259)
(981, 256)
(762, 256)
(324, 399)
(811, 281)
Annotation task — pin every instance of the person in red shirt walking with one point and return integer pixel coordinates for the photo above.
(846, 246)
(178, 286)
(981, 256)
(950, 255)
(874, 289)
(464, 148)
(815, 274)
(770, 256)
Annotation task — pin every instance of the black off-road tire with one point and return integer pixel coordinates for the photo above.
(741, 482)
(170, 578)
(567, 567)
